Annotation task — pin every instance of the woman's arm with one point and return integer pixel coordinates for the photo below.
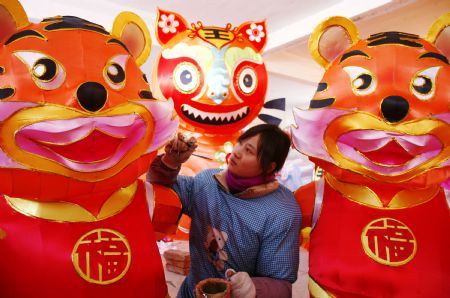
(267, 287)
(278, 257)
(160, 173)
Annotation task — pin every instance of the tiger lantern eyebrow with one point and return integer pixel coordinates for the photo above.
(321, 103)
(434, 55)
(23, 34)
(353, 53)
(116, 41)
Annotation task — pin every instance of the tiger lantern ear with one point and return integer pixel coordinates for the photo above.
(439, 34)
(12, 18)
(168, 25)
(331, 38)
(256, 33)
(133, 32)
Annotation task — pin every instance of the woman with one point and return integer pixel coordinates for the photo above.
(242, 219)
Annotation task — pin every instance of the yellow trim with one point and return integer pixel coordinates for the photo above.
(437, 27)
(55, 112)
(374, 255)
(218, 43)
(314, 39)
(86, 275)
(127, 17)
(17, 12)
(361, 194)
(316, 291)
(70, 212)
(364, 121)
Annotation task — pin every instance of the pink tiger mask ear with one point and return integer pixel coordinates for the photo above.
(256, 33)
(168, 25)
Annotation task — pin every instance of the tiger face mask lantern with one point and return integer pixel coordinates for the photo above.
(78, 126)
(379, 126)
(215, 76)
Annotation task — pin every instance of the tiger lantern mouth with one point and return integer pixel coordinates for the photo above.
(76, 144)
(384, 151)
(215, 118)
(83, 144)
(388, 152)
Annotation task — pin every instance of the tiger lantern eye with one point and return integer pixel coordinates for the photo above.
(424, 82)
(362, 80)
(115, 73)
(44, 69)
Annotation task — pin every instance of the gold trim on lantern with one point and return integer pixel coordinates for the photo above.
(317, 291)
(125, 18)
(50, 112)
(362, 194)
(366, 121)
(375, 255)
(438, 26)
(347, 25)
(17, 12)
(84, 241)
(70, 212)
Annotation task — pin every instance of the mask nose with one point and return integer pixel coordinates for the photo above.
(218, 81)
(92, 96)
(394, 108)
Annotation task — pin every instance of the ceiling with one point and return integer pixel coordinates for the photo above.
(289, 22)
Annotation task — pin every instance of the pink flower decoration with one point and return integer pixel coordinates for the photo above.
(255, 32)
(168, 23)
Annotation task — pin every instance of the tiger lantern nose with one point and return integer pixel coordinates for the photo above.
(91, 96)
(394, 108)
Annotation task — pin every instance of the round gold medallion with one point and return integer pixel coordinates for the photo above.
(389, 241)
(102, 256)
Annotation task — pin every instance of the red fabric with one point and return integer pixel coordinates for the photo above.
(267, 287)
(36, 255)
(338, 261)
(305, 196)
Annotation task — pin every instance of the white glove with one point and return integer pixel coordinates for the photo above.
(242, 285)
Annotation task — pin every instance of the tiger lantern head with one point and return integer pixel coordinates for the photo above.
(215, 76)
(77, 114)
(382, 109)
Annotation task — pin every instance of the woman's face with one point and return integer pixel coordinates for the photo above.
(244, 161)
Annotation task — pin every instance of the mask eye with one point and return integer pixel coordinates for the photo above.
(114, 72)
(186, 77)
(247, 80)
(363, 82)
(424, 82)
(47, 72)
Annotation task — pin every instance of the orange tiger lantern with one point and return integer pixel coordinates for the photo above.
(378, 124)
(215, 76)
(78, 127)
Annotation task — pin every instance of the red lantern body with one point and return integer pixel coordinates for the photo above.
(378, 125)
(78, 127)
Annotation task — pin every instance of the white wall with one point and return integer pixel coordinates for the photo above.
(297, 93)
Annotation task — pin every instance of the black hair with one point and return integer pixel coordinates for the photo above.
(273, 146)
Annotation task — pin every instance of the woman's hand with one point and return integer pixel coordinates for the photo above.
(242, 285)
(178, 150)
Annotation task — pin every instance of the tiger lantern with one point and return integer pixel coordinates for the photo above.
(379, 126)
(78, 127)
(216, 78)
